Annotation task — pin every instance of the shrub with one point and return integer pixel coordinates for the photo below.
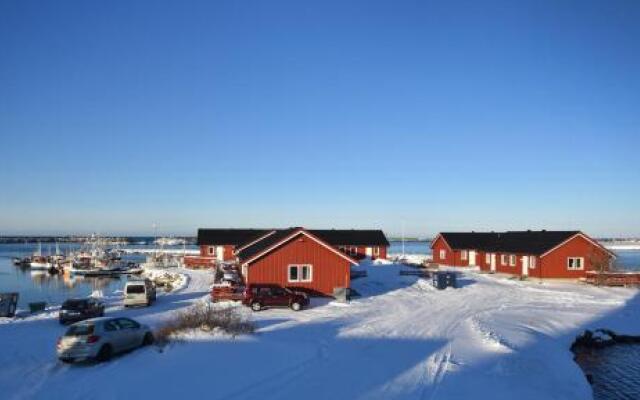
(203, 316)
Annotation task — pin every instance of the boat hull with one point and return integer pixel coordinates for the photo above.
(40, 265)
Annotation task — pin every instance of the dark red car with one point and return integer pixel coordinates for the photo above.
(263, 296)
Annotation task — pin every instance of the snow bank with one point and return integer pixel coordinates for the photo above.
(402, 339)
(177, 279)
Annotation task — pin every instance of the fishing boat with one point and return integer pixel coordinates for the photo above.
(38, 261)
(21, 262)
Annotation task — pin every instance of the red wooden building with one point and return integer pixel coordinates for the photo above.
(296, 258)
(541, 254)
(225, 244)
(316, 261)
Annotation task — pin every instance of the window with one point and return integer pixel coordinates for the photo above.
(125, 323)
(487, 258)
(212, 250)
(300, 273)
(503, 259)
(376, 251)
(512, 260)
(532, 262)
(353, 250)
(575, 263)
(110, 326)
(135, 289)
(464, 254)
(443, 254)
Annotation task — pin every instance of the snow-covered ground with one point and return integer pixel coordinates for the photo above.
(494, 338)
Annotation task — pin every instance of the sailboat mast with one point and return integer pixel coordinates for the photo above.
(403, 240)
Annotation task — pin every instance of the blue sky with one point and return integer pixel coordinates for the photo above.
(428, 115)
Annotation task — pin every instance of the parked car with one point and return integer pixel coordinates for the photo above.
(74, 310)
(100, 338)
(260, 296)
(139, 292)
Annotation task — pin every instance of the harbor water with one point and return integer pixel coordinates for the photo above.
(35, 286)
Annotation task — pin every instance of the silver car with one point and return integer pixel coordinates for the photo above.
(100, 338)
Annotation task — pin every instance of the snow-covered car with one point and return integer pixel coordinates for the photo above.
(100, 338)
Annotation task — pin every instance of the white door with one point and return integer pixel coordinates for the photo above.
(220, 253)
(525, 266)
(472, 257)
(368, 252)
(493, 262)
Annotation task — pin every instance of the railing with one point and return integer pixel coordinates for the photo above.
(416, 272)
(199, 262)
(613, 278)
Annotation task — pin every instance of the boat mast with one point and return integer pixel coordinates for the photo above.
(402, 239)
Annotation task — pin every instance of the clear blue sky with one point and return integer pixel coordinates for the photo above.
(432, 115)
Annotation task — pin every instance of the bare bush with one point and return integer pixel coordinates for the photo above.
(205, 317)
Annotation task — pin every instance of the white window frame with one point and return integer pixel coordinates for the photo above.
(513, 260)
(376, 251)
(487, 258)
(443, 254)
(299, 268)
(503, 259)
(581, 259)
(532, 262)
(464, 255)
(212, 250)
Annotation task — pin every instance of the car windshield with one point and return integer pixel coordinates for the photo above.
(74, 305)
(135, 289)
(80, 330)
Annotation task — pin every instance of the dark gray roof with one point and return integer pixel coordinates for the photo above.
(265, 243)
(334, 237)
(354, 237)
(526, 242)
(234, 237)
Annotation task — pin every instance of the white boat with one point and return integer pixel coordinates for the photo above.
(38, 261)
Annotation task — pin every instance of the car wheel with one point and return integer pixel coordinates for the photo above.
(104, 354)
(148, 339)
(295, 306)
(255, 306)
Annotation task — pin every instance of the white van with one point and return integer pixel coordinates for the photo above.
(141, 292)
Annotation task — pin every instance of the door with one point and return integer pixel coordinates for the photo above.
(472, 257)
(115, 335)
(220, 253)
(493, 262)
(130, 332)
(525, 266)
(279, 297)
(368, 252)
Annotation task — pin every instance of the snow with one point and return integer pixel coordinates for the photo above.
(402, 339)
(622, 246)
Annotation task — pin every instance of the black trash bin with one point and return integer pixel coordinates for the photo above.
(8, 304)
(444, 279)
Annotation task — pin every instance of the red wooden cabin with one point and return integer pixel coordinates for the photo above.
(542, 254)
(296, 258)
(220, 245)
